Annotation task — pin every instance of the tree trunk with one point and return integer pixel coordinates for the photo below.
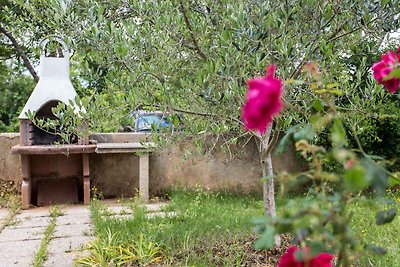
(268, 173)
(268, 187)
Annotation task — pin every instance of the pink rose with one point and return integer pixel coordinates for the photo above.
(263, 101)
(289, 260)
(383, 68)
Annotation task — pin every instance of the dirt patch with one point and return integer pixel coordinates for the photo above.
(240, 248)
(250, 256)
(8, 188)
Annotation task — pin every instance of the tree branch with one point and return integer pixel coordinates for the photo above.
(203, 114)
(273, 142)
(189, 26)
(21, 53)
(333, 37)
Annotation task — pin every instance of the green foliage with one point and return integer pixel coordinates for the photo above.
(70, 122)
(354, 179)
(266, 240)
(203, 51)
(15, 88)
(108, 251)
(385, 216)
(379, 134)
(338, 134)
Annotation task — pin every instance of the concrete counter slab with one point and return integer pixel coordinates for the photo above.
(123, 147)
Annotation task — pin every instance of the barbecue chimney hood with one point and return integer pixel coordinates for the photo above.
(54, 82)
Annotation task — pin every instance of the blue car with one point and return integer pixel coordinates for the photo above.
(146, 121)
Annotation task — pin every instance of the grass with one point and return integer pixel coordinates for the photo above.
(209, 229)
(41, 254)
(13, 205)
(386, 236)
(213, 229)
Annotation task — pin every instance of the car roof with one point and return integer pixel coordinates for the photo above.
(147, 112)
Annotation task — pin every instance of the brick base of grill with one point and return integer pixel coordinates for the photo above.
(57, 191)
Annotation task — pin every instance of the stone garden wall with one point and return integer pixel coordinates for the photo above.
(180, 165)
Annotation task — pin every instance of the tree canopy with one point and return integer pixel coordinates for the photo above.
(195, 56)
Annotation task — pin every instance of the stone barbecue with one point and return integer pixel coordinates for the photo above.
(52, 173)
(55, 173)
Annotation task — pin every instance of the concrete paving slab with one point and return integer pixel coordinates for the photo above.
(67, 244)
(18, 253)
(73, 219)
(120, 216)
(30, 222)
(148, 215)
(72, 230)
(155, 207)
(120, 209)
(16, 261)
(126, 209)
(35, 212)
(3, 214)
(76, 210)
(161, 214)
(63, 250)
(21, 234)
(61, 260)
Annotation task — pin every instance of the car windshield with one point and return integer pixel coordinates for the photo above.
(145, 122)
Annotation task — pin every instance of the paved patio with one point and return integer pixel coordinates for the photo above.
(21, 237)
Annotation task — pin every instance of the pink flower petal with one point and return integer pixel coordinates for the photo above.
(288, 259)
(263, 101)
(383, 68)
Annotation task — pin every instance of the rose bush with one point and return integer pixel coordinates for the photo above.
(321, 229)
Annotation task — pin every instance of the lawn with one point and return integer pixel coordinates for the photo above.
(387, 236)
(211, 229)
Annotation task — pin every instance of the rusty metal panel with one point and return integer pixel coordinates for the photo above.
(57, 191)
(56, 166)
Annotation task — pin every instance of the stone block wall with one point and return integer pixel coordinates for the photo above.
(116, 175)
(10, 165)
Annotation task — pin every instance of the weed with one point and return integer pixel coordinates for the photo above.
(41, 254)
(56, 211)
(96, 194)
(107, 251)
(13, 204)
